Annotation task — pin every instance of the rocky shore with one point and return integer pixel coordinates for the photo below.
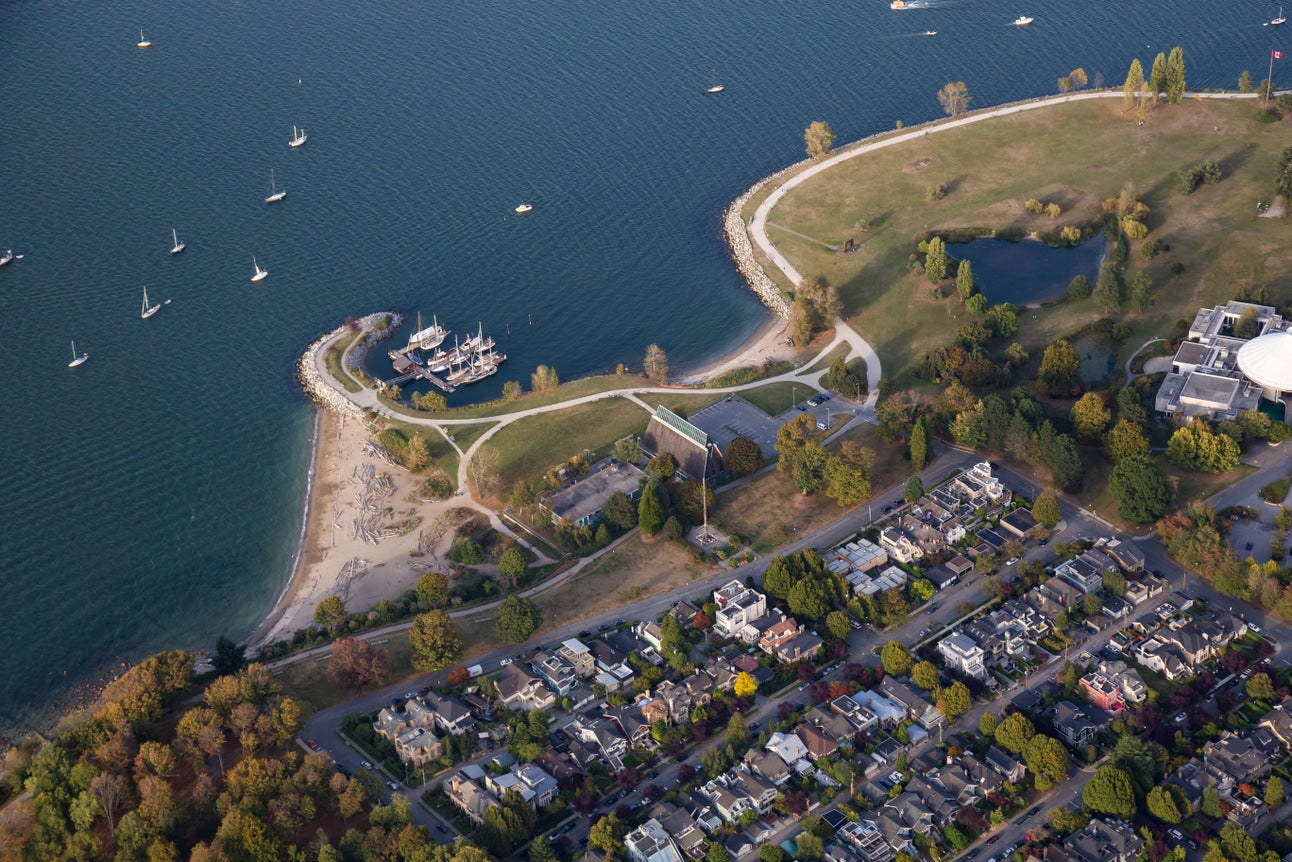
(742, 250)
(308, 375)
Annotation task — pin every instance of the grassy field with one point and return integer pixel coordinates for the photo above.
(681, 403)
(1075, 154)
(1098, 498)
(332, 360)
(465, 435)
(565, 392)
(775, 398)
(754, 509)
(442, 452)
(527, 447)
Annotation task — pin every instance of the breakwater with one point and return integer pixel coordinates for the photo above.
(736, 232)
(309, 376)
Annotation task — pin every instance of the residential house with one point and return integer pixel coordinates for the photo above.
(1103, 692)
(780, 633)
(978, 487)
(1132, 685)
(602, 735)
(901, 819)
(888, 711)
(963, 655)
(517, 689)
(389, 724)
(632, 723)
(861, 717)
(861, 555)
(1061, 591)
(754, 630)
(1082, 573)
(789, 748)
(737, 605)
(992, 539)
(805, 646)
(1104, 841)
(651, 842)
(684, 612)
(891, 578)
(418, 746)
(1278, 721)
(555, 671)
(818, 742)
(1164, 658)
(1072, 723)
(1018, 522)
(1008, 767)
(577, 655)
(900, 545)
(1193, 777)
(682, 828)
(649, 631)
(767, 765)
(838, 726)
(1127, 555)
(531, 782)
(864, 836)
(917, 705)
(451, 715)
(466, 791)
(676, 700)
(1248, 756)
(700, 810)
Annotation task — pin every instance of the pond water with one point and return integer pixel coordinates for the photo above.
(1029, 271)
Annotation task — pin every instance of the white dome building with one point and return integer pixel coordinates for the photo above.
(1267, 362)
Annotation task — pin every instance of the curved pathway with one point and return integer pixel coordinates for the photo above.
(1129, 373)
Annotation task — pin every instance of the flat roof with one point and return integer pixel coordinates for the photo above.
(1210, 389)
(588, 495)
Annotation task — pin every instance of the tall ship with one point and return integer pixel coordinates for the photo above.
(429, 338)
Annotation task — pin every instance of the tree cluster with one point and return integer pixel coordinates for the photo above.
(1197, 447)
(845, 475)
(815, 307)
(803, 582)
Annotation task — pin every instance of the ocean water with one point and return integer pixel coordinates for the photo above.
(152, 497)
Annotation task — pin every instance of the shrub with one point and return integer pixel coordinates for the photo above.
(1079, 287)
(467, 551)
(1276, 491)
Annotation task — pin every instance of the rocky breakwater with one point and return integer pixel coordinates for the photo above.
(742, 250)
(318, 385)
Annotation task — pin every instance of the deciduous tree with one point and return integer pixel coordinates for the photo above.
(356, 663)
(512, 565)
(1013, 732)
(1175, 76)
(954, 701)
(434, 641)
(1089, 416)
(620, 511)
(896, 659)
(1109, 791)
(544, 379)
(742, 457)
(744, 686)
(819, 138)
(935, 260)
(1060, 372)
(655, 366)
(1126, 440)
(433, 590)
(954, 98)
(925, 675)
(1197, 447)
(517, 619)
(330, 612)
(964, 281)
(1134, 81)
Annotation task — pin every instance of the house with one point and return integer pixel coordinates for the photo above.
(651, 842)
(1009, 768)
(917, 705)
(681, 827)
(554, 670)
(963, 655)
(1061, 591)
(531, 782)
(838, 726)
(888, 711)
(676, 700)
(1247, 757)
(1278, 721)
(519, 690)
(805, 646)
(574, 653)
(580, 504)
(992, 539)
(737, 605)
(418, 746)
(789, 748)
(754, 630)
(389, 724)
(696, 455)
(891, 578)
(767, 765)
(818, 742)
(861, 555)
(649, 631)
(941, 577)
(631, 722)
(977, 486)
(900, 545)
(1103, 692)
(1081, 573)
(468, 795)
(1132, 685)
(864, 836)
(860, 717)
(1072, 724)
(1127, 555)
(779, 633)
(1104, 841)
(451, 715)
(1018, 522)
(901, 819)
(603, 736)
(1163, 658)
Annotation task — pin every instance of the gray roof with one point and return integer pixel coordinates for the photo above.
(586, 496)
(1210, 389)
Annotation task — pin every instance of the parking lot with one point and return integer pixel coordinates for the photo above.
(734, 417)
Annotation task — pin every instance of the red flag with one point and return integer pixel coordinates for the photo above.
(1277, 55)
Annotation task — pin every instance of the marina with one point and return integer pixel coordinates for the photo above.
(424, 358)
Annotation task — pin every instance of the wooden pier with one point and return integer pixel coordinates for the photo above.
(419, 373)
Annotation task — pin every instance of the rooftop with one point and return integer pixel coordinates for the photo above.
(586, 496)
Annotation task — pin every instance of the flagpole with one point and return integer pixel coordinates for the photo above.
(1270, 91)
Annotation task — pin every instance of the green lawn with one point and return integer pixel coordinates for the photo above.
(442, 452)
(775, 398)
(681, 403)
(465, 435)
(529, 446)
(332, 360)
(1075, 154)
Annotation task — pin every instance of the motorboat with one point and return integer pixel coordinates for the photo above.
(930, 32)
(524, 208)
(6, 257)
(1023, 21)
(897, 4)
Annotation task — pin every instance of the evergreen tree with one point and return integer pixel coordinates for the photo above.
(1142, 494)
(935, 262)
(650, 511)
(1245, 82)
(1046, 510)
(1134, 80)
(964, 281)
(1157, 77)
(919, 447)
(1175, 76)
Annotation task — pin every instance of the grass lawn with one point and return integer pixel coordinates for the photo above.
(775, 398)
(1075, 154)
(529, 446)
(442, 452)
(755, 508)
(564, 392)
(841, 350)
(465, 435)
(332, 361)
(307, 682)
(681, 403)
(1098, 497)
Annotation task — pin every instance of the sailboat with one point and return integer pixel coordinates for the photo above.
(429, 338)
(147, 311)
(274, 195)
(178, 246)
(77, 358)
(143, 43)
(1279, 20)
(715, 87)
(6, 257)
(260, 273)
(298, 138)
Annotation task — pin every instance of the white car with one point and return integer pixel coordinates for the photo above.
(1253, 627)
(504, 662)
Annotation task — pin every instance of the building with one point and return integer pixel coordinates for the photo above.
(1104, 841)
(531, 782)
(578, 656)
(1072, 724)
(650, 842)
(1217, 375)
(696, 455)
(864, 836)
(468, 795)
(963, 655)
(1103, 692)
(580, 504)
(900, 545)
(978, 487)
(518, 690)
(737, 606)
(1018, 522)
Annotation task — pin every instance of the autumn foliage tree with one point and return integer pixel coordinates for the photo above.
(356, 663)
(434, 641)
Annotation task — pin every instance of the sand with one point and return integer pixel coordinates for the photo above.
(770, 342)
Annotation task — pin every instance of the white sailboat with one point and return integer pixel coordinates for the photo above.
(143, 43)
(274, 195)
(1279, 20)
(260, 273)
(715, 87)
(77, 358)
(178, 246)
(147, 311)
(6, 257)
(298, 138)
(429, 338)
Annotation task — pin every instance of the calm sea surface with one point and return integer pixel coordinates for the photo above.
(153, 497)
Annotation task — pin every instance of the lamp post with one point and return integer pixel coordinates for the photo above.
(793, 395)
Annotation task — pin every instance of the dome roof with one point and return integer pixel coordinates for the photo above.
(1268, 360)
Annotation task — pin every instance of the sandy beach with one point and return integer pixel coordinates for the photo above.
(769, 342)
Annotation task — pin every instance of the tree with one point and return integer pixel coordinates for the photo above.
(1210, 804)
(650, 510)
(1134, 80)
(655, 366)
(517, 619)
(925, 675)
(512, 565)
(511, 390)
(1109, 791)
(1079, 287)
(935, 260)
(627, 450)
(1078, 78)
(110, 791)
(987, 724)
(356, 663)
(1175, 76)
(841, 379)
(742, 457)
(1274, 792)
(810, 846)
(620, 511)
(808, 469)
(954, 97)
(819, 138)
(1142, 494)
(955, 701)
(1089, 416)
(717, 852)
(231, 657)
(1247, 325)
(919, 447)
(1260, 687)
(1060, 372)
(434, 641)
(913, 490)
(544, 379)
(1014, 731)
(745, 686)
(770, 852)
(1157, 76)
(836, 622)
(540, 850)
(1108, 287)
(1245, 82)
(607, 835)
(433, 590)
(1161, 804)
(791, 437)
(896, 659)
(1046, 510)
(1197, 447)
(417, 456)
(1126, 440)
(964, 281)
(808, 599)
(482, 471)
(330, 612)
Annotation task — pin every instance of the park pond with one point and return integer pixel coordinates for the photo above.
(1028, 272)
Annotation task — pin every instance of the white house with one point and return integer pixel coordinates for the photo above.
(963, 655)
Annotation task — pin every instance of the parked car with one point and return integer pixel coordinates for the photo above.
(440, 827)
(856, 625)
(1253, 627)
(755, 725)
(925, 632)
(895, 777)
(409, 695)
(365, 764)
(1033, 811)
(800, 408)
(311, 745)
(504, 662)
(1011, 561)
(392, 785)
(824, 398)
(992, 840)
(887, 508)
(973, 854)
(1176, 834)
